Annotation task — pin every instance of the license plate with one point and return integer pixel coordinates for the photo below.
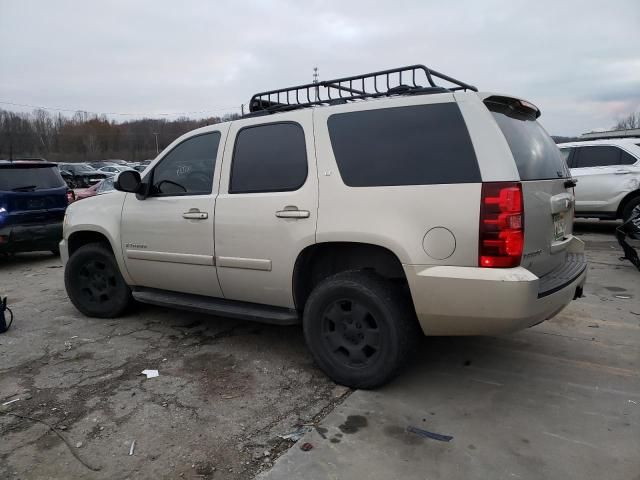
(37, 203)
(558, 226)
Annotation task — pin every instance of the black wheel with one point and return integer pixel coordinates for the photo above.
(56, 251)
(628, 208)
(360, 328)
(94, 283)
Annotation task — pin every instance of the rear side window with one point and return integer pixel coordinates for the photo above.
(269, 158)
(417, 145)
(536, 154)
(29, 179)
(627, 159)
(597, 156)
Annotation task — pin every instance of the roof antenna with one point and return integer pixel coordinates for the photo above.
(315, 80)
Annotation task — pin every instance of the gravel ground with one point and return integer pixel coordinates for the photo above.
(226, 391)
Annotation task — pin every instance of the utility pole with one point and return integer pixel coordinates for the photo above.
(156, 135)
(242, 109)
(315, 80)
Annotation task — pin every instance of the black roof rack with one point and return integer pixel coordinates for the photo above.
(357, 87)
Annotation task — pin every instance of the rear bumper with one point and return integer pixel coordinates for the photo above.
(28, 238)
(486, 301)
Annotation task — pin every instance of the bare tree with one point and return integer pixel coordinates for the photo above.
(87, 137)
(630, 121)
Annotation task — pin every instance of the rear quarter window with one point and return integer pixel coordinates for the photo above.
(416, 145)
(534, 151)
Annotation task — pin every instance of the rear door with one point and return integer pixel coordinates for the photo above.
(266, 211)
(548, 199)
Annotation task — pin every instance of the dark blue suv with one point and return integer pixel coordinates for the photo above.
(33, 199)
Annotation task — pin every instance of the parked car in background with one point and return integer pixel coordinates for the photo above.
(419, 209)
(140, 167)
(608, 176)
(98, 165)
(103, 186)
(33, 199)
(80, 175)
(114, 169)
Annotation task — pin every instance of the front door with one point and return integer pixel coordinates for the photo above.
(266, 211)
(168, 237)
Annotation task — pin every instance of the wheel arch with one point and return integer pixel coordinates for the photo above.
(321, 260)
(625, 200)
(83, 237)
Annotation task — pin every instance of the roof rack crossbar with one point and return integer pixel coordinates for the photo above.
(342, 89)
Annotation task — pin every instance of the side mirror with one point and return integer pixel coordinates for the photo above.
(128, 181)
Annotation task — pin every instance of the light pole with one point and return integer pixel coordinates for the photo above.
(156, 135)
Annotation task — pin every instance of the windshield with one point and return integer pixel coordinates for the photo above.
(537, 156)
(27, 179)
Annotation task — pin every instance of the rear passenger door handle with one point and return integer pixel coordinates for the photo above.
(622, 172)
(195, 214)
(293, 213)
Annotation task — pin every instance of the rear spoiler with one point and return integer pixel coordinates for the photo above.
(513, 107)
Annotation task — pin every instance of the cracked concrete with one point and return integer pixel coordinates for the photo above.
(226, 388)
(561, 400)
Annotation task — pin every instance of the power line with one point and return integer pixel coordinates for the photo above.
(60, 109)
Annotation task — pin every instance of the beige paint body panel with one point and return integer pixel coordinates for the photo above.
(255, 250)
(484, 301)
(249, 235)
(99, 214)
(396, 217)
(177, 253)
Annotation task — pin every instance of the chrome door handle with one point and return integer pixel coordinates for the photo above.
(195, 214)
(293, 213)
(622, 172)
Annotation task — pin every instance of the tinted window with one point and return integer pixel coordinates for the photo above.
(269, 158)
(16, 178)
(418, 145)
(188, 168)
(600, 156)
(627, 159)
(536, 154)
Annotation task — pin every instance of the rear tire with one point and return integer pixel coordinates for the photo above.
(360, 328)
(94, 283)
(628, 208)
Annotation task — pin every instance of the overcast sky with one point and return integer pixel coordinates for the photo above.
(578, 61)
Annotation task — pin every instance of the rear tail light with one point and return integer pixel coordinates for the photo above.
(71, 196)
(501, 225)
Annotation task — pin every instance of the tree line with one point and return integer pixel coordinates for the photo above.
(84, 137)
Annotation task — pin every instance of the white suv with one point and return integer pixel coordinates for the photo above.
(365, 211)
(607, 174)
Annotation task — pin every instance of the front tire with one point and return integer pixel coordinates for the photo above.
(360, 328)
(94, 283)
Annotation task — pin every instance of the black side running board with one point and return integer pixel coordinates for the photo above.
(218, 306)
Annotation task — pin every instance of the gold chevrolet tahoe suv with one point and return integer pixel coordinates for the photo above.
(370, 209)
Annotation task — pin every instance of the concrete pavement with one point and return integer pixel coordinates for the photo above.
(560, 400)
